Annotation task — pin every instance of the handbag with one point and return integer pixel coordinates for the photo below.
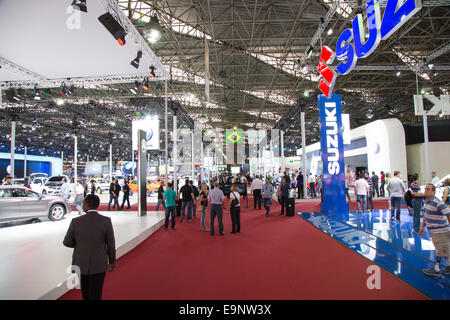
(200, 207)
(235, 201)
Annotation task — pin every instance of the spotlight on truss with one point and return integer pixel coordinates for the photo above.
(135, 62)
(79, 5)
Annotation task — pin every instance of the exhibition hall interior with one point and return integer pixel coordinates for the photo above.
(224, 150)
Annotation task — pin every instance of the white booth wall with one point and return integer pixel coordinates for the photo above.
(439, 159)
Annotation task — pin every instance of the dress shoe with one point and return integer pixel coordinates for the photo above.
(232, 232)
(221, 234)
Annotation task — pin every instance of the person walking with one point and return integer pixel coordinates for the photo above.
(300, 185)
(437, 220)
(216, 198)
(113, 195)
(256, 189)
(287, 178)
(126, 194)
(348, 183)
(65, 189)
(312, 185)
(396, 190)
(370, 193)
(79, 196)
(187, 201)
(204, 204)
(267, 193)
(92, 238)
(169, 197)
(93, 186)
(445, 195)
(382, 183)
(196, 195)
(86, 188)
(417, 201)
(375, 183)
(160, 197)
(283, 193)
(235, 209)
(434, 177)
(361, 191)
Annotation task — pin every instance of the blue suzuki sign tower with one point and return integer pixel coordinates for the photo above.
(332, 146)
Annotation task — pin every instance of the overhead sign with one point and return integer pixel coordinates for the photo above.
(395, 15)
(439, 105)
(332, 147)
(151, 128)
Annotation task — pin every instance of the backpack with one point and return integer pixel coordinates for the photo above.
(408, 198)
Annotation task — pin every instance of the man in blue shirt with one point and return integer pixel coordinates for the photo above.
(267, 192)
(437, 219)
(169, 197)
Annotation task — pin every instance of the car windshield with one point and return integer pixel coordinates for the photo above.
(55, 179)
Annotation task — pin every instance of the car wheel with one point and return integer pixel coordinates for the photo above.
(57, 212)
(44, 192)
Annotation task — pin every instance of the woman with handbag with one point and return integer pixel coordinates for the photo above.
(203, 204)
(235, 209)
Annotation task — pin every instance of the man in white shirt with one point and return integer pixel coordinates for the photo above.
(256, 189)
(361, 191)
(396, 190)
(312, 185)
(434, 177)
(79, 197)
(65, 189)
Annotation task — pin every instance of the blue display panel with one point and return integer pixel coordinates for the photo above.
(32, 167)
(332, 147)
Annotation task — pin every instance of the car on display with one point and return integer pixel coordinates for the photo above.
(151, 187)
(101, 185)
(37, 184)
(38, 175)
(20, 203)
(53, 185)
(439, 187)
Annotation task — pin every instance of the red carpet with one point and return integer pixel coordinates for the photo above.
(279, 257)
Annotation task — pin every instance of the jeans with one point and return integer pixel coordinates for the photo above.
(300, 191)
(284, 200)
(203, 217)
(417, 206)
(395, 204)
(111, 199)
(382, 194)
(312, 187)
(170, 211)
(126, 198)
(267, 203)
(347, 194)
(159, 203)
(235, 219)
(375, 187)
(369, 201)
(257, 198)
(78, 202)
(194, 209)
(189, 206)
(216, 210)
(358, 202)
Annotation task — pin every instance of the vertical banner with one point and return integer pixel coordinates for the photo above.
(142, 172)
(207, 70)
(332, 147)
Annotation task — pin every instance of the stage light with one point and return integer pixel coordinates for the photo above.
(431, 66)
(152, 30)
(159, 87)
(309, 52)
(330, 32)
(135, 62)
(36, 94)
(398, 74)
(13, 96)
(390, 110)
(152, 73)
(146, 85)
(369, 114)
(135, 89)
(60, 102)
(116, 30)
(79, 5)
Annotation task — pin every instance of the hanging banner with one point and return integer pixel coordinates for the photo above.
(151, 128)
(332, 147)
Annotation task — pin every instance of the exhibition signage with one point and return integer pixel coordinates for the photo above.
(142, 172)
(234, 136)
(151, 128)
(396, 14)
(332, 147)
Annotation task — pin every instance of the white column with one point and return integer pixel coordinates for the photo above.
(132, 161)
(25, 163)
(110, 162)
(13, 146)
(192, 157)
(427, 154)
(75, 158)
(302, 124)
(202, 162)
(282, 152)
(62, 161)
(166, 134)
(175, 151)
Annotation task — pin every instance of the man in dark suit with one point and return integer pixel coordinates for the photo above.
(375, 183)
(92, 237)
(113, 196)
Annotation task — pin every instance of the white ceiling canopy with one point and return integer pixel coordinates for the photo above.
(46, 42)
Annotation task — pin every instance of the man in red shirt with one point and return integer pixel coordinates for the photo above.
(383, 181)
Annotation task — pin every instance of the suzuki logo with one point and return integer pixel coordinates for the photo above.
(352, 44)
(326, 83)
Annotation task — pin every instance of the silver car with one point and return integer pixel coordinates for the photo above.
(20, 203)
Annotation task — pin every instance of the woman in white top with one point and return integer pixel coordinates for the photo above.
(235, 209)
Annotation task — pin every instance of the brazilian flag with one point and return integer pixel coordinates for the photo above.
(234, 136)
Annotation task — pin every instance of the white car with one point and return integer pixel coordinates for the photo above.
(37, 184)
(53, 185)
(101, 185)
